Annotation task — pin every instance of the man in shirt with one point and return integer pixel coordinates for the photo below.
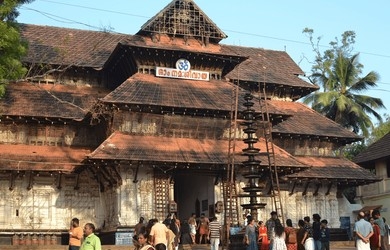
(270, 225)
(214, 233)
(363, 231)
(317, 231)
(382, 226)
(159, 235)
(91, 241)
(75, 235)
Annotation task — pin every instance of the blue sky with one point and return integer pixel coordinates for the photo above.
(275, 25)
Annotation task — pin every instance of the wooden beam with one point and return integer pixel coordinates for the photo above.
(13, 176)
(318, 185)
(77, 184)
(135, 180)
(30, 180)
(305, 188)
(118, 177)
(59, 181)
(268, 187)
(292, 188)
(328, 188)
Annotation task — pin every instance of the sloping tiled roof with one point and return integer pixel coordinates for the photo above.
(63, 46)
(377, 150)
(120, 146)
(306, 121)
(146, 89)
(333, 168)
(48, 100)
(41, 158)
(268, 66)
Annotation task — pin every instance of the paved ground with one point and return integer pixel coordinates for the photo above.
(207, 247)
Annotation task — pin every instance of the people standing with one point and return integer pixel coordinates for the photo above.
(300, 235)
(291, 235)
(159, 235)
(193, 226)
(317, 231)
(185, 237)
(363, 231)
(175, 228)
(386, 239)
(307, 240)
(75, 234)
(203, 228)
(279, 241)
(375, 239)
(382, 226)
(270, 224)
(250, 237)
(214, 233)
(143, 242)
(173, 239)
(263, 237)
(140, 226)
(325, 235)
(91, 241)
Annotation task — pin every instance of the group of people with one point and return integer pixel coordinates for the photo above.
(83, 239)
(371, 232)
(155, 235)
(272, 235)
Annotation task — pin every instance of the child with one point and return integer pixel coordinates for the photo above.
(325, 238)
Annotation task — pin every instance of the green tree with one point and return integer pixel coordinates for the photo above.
(341, 96)
(12, 48)
(382, 129)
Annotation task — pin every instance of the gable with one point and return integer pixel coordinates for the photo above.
(376, 151)
(183, 18)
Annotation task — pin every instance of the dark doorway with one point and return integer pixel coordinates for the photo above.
(193, 194)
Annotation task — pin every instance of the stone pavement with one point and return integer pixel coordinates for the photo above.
(338, 245)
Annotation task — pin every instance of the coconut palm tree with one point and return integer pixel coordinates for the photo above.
(341, 97)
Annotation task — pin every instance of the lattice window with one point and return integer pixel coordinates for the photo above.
(161, 197)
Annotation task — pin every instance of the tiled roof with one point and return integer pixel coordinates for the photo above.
(268, 66)
(333, 168)
(63, 46)
(377, 150)
(306, 121)
(120, 146)
(41, 158)
(146, 89)
(48, 100)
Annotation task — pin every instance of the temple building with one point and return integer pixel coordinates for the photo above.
(109, 127)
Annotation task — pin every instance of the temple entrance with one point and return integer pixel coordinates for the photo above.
(194, 194)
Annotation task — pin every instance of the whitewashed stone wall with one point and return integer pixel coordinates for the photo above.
(297, 206)
(45, 207)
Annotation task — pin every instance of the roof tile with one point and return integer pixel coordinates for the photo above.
(333, 168)
(146, 89)
(48, 100)
(377, 150)
(306, 121)
(45, 158)
(123, 146)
